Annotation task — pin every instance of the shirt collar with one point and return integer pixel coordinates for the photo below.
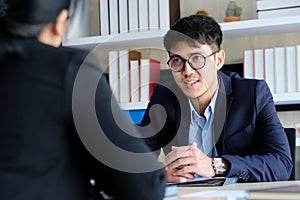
(207, 112)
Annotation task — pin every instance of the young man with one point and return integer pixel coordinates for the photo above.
(213, 123)
(41, 154)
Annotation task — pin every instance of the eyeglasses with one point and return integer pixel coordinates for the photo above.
(196, 61)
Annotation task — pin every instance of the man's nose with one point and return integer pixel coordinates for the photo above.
(188, 68)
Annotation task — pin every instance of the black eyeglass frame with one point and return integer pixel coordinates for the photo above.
(187, 60)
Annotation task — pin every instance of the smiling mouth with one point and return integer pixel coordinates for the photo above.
(190, 82)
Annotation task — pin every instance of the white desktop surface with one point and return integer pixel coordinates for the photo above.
(231, 192)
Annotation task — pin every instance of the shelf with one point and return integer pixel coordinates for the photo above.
(149, 39)
(261, 26)
(287, 98)
(154, 38)
(279, 99)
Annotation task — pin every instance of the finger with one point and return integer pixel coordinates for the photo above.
(182, 162)
(174, 147)
(194, 145)
(178, 172)
(178, 150)
(192, 155)
(173, 179)
(175, 154)
(188, 176)
(186, 171)
(176, 179)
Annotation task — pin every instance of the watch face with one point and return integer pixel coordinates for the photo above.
(221, 169)
(219, 165)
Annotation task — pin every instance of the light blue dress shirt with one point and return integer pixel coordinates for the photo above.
(201, 128)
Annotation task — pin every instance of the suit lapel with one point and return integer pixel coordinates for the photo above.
(223, 104)
(184, 123)
(183, 117)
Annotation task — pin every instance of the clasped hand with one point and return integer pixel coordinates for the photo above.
(184, 162)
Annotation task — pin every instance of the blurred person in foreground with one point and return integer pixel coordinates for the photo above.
(212, 123)
(41, 154)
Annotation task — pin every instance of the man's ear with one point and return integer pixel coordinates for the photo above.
(220, 59)
(60, 24)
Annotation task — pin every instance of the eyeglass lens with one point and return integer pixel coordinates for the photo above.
(196, 61)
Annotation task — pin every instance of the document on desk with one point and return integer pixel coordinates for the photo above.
(228, 194)
(290, 192)
(284, 192)
(206, 182)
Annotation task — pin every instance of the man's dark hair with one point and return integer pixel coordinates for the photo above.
(203, 29)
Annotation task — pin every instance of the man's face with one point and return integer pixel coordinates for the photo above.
(201, 82)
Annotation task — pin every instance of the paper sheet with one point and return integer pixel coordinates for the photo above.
(229, 194)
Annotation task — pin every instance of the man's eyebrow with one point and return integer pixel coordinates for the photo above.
(172, 55)
(175, 55)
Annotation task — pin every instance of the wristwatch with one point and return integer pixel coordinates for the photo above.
(219, 165)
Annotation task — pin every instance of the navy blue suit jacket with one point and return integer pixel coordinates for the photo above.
(250, 135)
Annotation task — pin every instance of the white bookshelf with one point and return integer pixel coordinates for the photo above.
(154, 39)
(287, 98)
(261, 26)
(149, 39)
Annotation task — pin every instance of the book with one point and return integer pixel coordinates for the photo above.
(278, 12)
(134, 81)
(133, 15)
(149, 77)
(283, 192)
(143, 15)
(164, 14)
(269, 68)
(113, 72)
(123, 16)
(258, 56)
(271, 4)
(248, 64)
(113, 17)
(280, 70)
(298, 66)
(94, 17)
(278, 8)
(153, 14)
(78, 27)
(291, 73)
(104, 17)
(125, 56)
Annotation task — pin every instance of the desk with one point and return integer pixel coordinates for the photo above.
(238, 186)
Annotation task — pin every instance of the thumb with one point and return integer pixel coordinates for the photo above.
(194, 144)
